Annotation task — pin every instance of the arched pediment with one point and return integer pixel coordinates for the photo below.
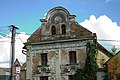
(58, 13)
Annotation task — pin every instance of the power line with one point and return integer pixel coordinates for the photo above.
(2, 34)
(25, 33)
(101, 40)
(108, 40)
(97, 39)
(3, 26)
(4, 30)
(110, 45)
(5, 41)
(20, 39)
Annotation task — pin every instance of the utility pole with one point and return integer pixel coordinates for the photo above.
(13, 29)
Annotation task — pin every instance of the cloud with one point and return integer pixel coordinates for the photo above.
(5, 43)
(103, 26)
(105, 29)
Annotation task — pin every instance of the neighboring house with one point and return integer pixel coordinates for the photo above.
(4, 73)
(19, 71)
(58, 47)
(23, 73)
(113, 66)
(102, 57)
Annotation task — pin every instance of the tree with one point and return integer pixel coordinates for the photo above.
(89, 71)
(113, 49)
(24, 64)
(91, 66)
(80, 74)
(112, 73)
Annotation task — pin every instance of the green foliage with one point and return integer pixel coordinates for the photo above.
(118, 76)
(24, 64)
(116, 61)
(80, 74)
(91, 66)
(90, 69)
(110, 75)
(113, 49)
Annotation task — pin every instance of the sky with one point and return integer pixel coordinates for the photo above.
(99, 16)
(25, 14)
(5, 49)
(107, 34)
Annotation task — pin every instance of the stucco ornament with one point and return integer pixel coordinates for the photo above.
(58, 19)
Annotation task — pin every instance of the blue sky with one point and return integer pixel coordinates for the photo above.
(25, 14)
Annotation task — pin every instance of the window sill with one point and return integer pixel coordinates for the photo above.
(43, 65)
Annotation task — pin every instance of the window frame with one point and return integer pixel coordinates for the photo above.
(44, 59)
(71, 77)
(63, 29)
(72, 57)
(44, 78)
(53, 30)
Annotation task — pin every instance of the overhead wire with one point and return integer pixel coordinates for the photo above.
(25, 33)
(108, 40)
(3, 26)
(110, 45)
(4, 30)
(20, 39)
(101, 40)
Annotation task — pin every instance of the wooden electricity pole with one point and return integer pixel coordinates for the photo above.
(13, 28)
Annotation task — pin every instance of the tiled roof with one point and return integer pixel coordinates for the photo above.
(105, 51)
(35, 37)
(76, 29)
(79, 30)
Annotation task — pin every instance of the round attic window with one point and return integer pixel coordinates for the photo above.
(58, 19)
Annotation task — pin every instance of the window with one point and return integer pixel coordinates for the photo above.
(44, 59)
(44, 78)
(63, 29)
(72, 57)
(71, 77)
(53, 30)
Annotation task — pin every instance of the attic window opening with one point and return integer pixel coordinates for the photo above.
(63, 29)
(53, 30)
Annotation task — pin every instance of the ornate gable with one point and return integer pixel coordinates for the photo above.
(58, 24)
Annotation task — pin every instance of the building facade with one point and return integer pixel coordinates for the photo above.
(113, 66)
(58, 47)
(4, 73)
(19, 71)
